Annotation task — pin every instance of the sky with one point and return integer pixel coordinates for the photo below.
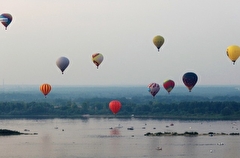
(197, 34)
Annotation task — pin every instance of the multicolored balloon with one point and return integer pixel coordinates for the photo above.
(62, 63)
(45, 89)
(233, 52)
(115, 106)
(97, 59)
(153, 88)
(6, 19)
(190, 79)
(158, 41)
(168, 85)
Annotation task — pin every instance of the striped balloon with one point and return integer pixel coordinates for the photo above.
(45, 88)
(153, 88)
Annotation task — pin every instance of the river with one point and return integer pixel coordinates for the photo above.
(110, 138)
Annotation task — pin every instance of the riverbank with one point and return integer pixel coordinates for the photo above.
(162, 117)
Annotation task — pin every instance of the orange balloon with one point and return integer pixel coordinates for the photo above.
(45, 88)
(115, 106)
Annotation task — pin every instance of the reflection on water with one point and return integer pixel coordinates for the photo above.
(46, 145)
(115, 132)
(111, 138)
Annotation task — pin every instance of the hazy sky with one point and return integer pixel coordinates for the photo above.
(196, 34)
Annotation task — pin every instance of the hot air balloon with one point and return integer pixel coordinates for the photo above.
(168, 85)
(189, 79)
(6, 19)
(158, 41)
(62, 63)
(97, 59)
(153, 88)
(115, 106)
(45, 89)
(233, 53)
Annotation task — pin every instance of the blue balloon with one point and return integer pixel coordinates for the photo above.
(62, 63)
(190, 79)
(7, 19)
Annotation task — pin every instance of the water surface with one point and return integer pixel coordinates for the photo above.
(98, 137)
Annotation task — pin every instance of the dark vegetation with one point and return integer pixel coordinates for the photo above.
(205, 103)
(7, 132)
(96, 106)
(188, 134)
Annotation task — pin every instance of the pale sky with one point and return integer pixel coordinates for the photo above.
(196, 34)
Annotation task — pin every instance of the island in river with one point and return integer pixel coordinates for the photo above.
(7, 132)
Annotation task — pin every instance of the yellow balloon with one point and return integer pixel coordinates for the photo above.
(158, 41)
(233, 52)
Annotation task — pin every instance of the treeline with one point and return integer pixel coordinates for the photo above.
(99, 106)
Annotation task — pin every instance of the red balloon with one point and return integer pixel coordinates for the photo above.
(168, 85)
(115, 106)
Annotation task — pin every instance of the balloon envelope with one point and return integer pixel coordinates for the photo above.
(97, 59)
(8, 21)
(2, 19)
(190, 79)
(115, 106)
(153, 88)
(158, 41)
(168, 85)
(233, 52)
(62, 63)
(45, 88)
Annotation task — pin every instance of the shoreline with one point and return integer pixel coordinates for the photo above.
(167, 117)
